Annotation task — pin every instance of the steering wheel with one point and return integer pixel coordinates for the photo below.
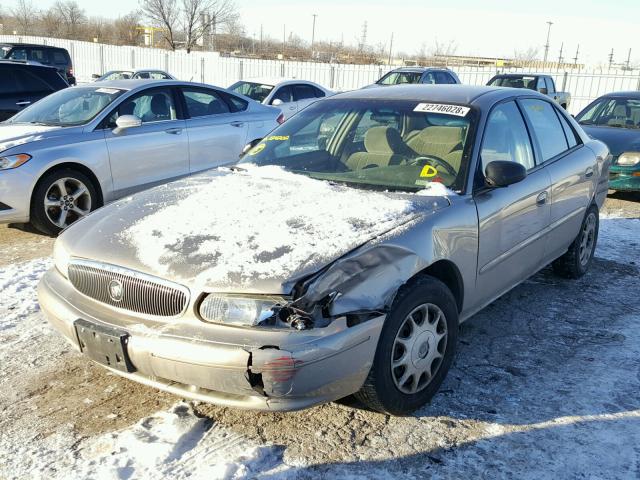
(431, 160)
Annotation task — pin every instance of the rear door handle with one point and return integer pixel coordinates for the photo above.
(23, 103)
(589, 172)
(237, 124)
(174, 131)
(542, 198)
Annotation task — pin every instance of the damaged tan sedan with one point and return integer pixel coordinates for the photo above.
(339, 256)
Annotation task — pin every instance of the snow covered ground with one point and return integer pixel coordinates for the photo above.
(545, 385)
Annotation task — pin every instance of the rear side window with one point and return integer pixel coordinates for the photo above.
(506, 138)
(38, 55)
(201, 102)
(429, 78)
(59, 57)
(236, 104)
(319, 93)
(546, 127)
(444, 78)
(572, 139)
(303, 92)
(551, 88)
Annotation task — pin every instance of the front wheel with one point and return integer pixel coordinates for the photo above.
(415, 351)
(576, 261)
(60, 198)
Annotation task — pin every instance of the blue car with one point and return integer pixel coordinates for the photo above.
(426, 75)
(615, 120)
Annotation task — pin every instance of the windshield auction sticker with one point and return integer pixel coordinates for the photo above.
(456, 110)
(110, 91)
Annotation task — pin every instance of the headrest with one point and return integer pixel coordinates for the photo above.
(383, 140)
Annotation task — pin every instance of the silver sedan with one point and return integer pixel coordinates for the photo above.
(83, 147)
(341, 254)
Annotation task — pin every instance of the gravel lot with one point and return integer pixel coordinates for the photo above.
(545, 384)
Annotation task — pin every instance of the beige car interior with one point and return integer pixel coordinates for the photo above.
(385, 146)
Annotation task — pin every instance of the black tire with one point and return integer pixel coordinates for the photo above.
(40, 218)
(571, 264)
(380, 391)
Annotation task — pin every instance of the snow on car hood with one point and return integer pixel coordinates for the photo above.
(239, 231)
(12, 135)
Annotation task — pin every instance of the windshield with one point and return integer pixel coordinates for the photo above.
(388, 145)
(120, 75)
(255, 91)
(397, 78)
(617, 112)
(514, 82)
(68, 107)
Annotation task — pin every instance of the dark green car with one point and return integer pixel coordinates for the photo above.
(615, 120)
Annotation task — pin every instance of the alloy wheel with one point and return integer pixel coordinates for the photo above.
(67, 200)
(587, 240)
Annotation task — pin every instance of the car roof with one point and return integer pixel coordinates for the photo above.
(629, 93)
(419, 69)
(276, 80)
(459, 94)
(13, 44)
(25, 64)
(140, 83)
(522, 75)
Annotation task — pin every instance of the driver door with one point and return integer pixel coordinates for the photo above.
(513, 221)
(155, 152)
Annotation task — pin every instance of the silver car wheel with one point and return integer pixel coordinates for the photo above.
(67, 200)
(587, 241)
(418, 349)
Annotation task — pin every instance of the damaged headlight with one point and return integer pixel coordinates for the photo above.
(239, 310)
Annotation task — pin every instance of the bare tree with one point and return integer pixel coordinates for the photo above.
(72, 17)
(25, 15)
(126, 29)
(50, 24)
(527, 56)
(444, 49)
(163, 14)
(199, 17)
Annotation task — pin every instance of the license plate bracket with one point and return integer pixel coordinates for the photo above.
(105, 345)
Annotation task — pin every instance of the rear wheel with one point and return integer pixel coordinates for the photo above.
(415, 350)
(576, 261)
(60, 198)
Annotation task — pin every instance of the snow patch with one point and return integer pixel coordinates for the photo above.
(262, 223)
(18, 285)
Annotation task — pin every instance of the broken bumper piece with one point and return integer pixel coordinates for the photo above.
(261, 369)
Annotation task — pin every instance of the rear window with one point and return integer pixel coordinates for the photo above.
(255, 91)
(524, 81)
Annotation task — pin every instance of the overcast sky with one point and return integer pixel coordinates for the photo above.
(488, 28)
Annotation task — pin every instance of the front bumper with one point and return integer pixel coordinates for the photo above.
(255, 369)
(15, 195)
(624, 178)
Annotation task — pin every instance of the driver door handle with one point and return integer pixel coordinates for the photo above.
(23, 103)
(542, 198)
(237, 124)
(174, 131)
(589, 172)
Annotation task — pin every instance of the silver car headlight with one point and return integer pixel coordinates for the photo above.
(61, 258)
(239, 310)
(13, 161)
(629, 159)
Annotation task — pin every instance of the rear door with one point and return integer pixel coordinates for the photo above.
(513, 221)
(216, 133)
(572, 169)
(153, 153)
(8, 92)
(31, 86)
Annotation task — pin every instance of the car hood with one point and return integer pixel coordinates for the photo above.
(13, 135)
(255, 231)
(619, 140)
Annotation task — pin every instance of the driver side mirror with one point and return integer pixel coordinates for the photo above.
(502, 174)
(543, 90)
(95, 76)
(125, 122)
(276, 102)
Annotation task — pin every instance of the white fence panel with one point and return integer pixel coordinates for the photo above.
(209, 67)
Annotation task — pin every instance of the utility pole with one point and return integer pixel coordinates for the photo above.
(390, 49)
(363, 40)
(261, 37)
(546, 46)
(610, 59)
(575, 59)
(313, 32)
(284, 40)
(629, 60)
(560, 59)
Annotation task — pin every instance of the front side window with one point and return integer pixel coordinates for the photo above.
(255, 91)
(551, 88)
(398, 78)
(201, 102)
(371, 144)
(18, 54)
(429, 78)
(506, 138)
(69, 107)
(303, 92)
(617, 112)
(546, 127)
(117, 76)
(152, 106)
(284, 94)
(38, 55)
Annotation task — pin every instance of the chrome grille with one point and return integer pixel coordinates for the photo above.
(138, 292)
